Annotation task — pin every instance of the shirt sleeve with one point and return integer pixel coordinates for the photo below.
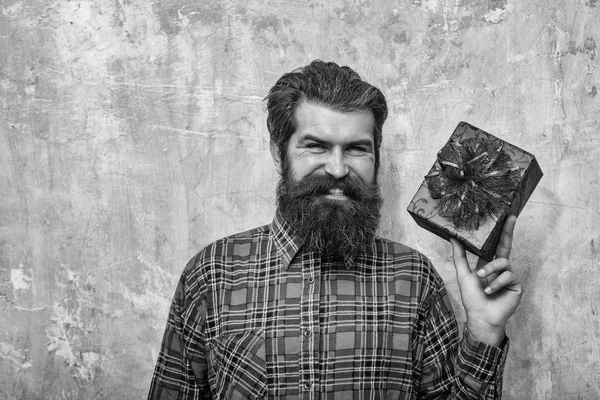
(457, 369)
(181, 373)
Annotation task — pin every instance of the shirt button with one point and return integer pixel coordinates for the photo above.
(307, 333)
(311, 280)
(306, 386)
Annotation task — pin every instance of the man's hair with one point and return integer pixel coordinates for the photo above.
(327, 84)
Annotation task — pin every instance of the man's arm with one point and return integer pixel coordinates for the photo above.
(178, 374)
(472, 369)
(491, 293)
(456, 369)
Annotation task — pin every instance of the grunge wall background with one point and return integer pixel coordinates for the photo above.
(132, 133)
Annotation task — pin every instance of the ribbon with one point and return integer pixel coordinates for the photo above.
(473, 179)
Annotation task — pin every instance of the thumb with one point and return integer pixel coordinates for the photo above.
(460, 260)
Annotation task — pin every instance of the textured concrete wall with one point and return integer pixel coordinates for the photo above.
(132, 133)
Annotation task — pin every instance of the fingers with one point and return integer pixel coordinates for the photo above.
(506, 238)
(460, 259)
(495, 266)
(501, 275)
(506, 280)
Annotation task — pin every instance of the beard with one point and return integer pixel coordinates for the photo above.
(327, 226)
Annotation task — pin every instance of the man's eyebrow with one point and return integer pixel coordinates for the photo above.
(358, 142)
(361, 142)
(312, 138)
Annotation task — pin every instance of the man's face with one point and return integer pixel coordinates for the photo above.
(328, 189)
(329, 142)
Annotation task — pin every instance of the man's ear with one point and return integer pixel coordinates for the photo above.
(276, 154)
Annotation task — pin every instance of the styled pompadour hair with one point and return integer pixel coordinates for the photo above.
(326, 84)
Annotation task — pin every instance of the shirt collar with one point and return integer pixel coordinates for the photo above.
(288, 244)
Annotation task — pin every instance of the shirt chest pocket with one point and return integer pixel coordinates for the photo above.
(237, 365)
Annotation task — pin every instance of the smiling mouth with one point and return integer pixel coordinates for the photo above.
(336, 194)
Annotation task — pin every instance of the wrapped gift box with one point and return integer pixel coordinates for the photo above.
(481, 235)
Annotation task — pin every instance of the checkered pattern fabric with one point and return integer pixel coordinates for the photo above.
(255, 317)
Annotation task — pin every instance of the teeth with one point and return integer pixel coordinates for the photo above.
(336, 192)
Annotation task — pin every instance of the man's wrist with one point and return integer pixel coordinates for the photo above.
(486, 333)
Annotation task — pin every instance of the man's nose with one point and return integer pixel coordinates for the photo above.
(336, 164)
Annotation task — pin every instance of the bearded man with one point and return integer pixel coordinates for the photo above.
(315, 305)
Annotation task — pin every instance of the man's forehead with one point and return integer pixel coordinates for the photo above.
(313, 118)
(310, 106)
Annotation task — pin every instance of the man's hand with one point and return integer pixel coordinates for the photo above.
(492, 292)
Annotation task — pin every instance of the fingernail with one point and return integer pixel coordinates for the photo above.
(488, 290)
(481, 273)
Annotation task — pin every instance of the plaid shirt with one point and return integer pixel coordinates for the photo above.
(255, 317)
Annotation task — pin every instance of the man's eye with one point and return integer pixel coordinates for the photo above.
(357, 150)
(315, 146)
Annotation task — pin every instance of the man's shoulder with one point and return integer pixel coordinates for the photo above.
(389, 248)
(397, 254)
(233, 247)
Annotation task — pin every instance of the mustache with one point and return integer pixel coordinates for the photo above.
(317, 185)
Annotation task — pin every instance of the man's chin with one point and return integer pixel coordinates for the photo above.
(330, 221)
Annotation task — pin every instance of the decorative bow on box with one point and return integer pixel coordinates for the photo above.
(475, 183)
